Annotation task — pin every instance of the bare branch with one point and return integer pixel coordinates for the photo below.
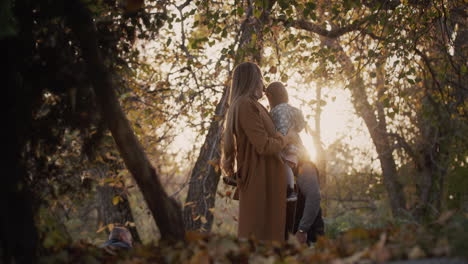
(404, 144)
(334, 33)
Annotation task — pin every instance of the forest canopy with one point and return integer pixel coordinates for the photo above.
(116, 109)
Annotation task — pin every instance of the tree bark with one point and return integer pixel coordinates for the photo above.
(18, 234)
(377, 130)
(443, 97)
(321, 154)
(204, 179)
(166, 211)
(317, 137)
(109, 213)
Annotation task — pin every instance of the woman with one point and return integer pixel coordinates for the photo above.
(251, 144)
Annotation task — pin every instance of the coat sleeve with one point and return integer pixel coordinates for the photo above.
(251, 122)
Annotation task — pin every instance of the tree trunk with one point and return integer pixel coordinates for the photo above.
(321, 155)
(438, 128)
(204, 178)
(110, 213)
(317, 137)
(18, 234)
(166, 211)
(377, 130)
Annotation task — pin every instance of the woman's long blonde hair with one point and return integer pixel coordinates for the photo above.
(245, 80)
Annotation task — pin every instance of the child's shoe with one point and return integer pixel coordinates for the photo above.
(230, 180)
(291, 195)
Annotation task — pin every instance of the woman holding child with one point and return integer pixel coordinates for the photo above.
(251, 147)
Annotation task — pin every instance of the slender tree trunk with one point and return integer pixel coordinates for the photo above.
(321, 159)
(377, 130)
(166, 211)
(321, 155)
(204, 179)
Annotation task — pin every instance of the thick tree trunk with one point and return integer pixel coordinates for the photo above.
(204, 178)
(109, 213)
(19, 239)
(166, 211)
(198, 212)
(18, 234)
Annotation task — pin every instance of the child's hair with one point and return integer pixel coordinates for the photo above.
(276, 94)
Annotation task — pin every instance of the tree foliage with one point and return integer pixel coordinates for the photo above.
(403, 62)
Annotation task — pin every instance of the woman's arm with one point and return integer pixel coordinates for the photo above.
(251, 122)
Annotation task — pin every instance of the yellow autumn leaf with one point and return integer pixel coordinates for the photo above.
(214, 163)
(116, 200)
(187, 204)
(101, 229)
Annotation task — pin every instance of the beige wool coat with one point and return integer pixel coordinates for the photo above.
(262, 183)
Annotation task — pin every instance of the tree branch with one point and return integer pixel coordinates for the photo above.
(334, 33)
(404, 144)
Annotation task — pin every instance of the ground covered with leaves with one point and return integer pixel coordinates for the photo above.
(445, 240)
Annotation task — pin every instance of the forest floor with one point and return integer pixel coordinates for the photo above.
(442, 241)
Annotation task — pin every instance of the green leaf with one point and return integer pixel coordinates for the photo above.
(240, 10)
(464, 69)
(309, 7)
(257, 12)
(8, 22)
(283, 4)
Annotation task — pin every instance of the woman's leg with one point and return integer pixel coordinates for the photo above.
(307, 181)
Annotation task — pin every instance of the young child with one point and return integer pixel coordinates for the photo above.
(286, 117)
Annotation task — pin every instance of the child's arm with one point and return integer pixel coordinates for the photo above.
(281, 120)
(299, 120)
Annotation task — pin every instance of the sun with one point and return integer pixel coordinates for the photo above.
(338, 120)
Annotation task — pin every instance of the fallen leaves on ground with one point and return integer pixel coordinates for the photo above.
(410, 241)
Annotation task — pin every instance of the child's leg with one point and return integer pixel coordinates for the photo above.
(291, 194)
(289, 176)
